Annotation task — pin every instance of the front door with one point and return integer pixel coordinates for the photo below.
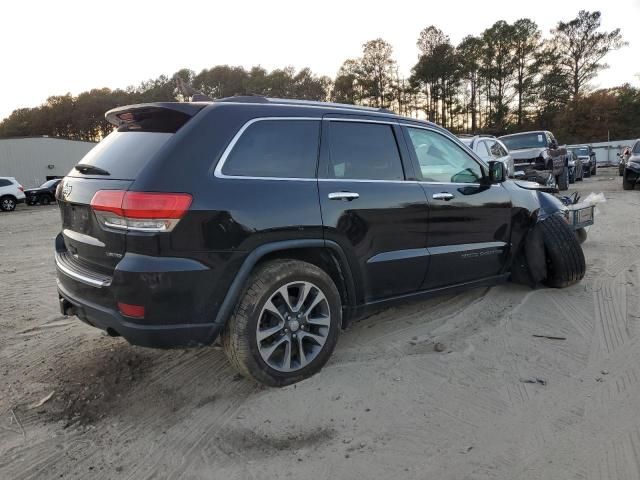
(469, 222)
(372, 205)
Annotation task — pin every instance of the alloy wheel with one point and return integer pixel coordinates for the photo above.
(293, 326)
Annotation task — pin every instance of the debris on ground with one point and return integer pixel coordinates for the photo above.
(535, 381)
(439, 347)
(549, 337)
(42, 401)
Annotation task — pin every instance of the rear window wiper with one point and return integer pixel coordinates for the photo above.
(87, 169)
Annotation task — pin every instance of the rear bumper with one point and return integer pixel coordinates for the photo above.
(176, 293)
(153, 336)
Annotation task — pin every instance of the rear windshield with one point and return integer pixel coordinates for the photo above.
(526, 140)
(123, 154)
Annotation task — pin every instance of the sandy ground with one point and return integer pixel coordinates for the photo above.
(387, 405)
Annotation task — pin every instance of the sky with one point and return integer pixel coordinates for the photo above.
(55, 47)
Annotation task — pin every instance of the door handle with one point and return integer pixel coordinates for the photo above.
(443, 196)
(343, 196)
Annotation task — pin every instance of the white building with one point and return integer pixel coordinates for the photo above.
(34, 160)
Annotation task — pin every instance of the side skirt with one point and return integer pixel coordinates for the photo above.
(375, 306)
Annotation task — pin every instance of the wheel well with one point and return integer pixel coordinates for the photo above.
(323, 258)
(8, 195)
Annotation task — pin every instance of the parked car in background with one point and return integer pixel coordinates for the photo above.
(535, 153)
(631, 173)
(274, 223)
(11, 193)
(588, 157)
(490, 148)
(44, 194)
(576, 168)
(622, 159)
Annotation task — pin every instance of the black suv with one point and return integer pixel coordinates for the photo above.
(536, 152)
(274, 223)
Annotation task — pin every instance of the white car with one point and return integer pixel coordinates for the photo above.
(11, 193)
(490, 148)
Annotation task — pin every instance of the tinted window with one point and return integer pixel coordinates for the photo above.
(364, 151)
(442, 160)
(124, 154)
(4, 182)
(636, 148)
(276, 148)
(525, 140)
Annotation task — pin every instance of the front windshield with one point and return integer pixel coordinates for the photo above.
(49, 183)
(581, 152)
(525, 140)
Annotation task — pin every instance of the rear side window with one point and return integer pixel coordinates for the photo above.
(124, 154)
(363, 151)
(276, 148)
(481, 150)
(4, 182)
(636, 148)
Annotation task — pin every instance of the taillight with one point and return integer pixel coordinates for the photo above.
(140, 211)
(21, 188)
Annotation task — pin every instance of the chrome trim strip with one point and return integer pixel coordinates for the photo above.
(80, 277)
(359, 120)
(82, 238)
(223, 158)
(466, 247)
(399, 255)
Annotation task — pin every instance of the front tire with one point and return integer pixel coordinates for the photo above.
(627, 184)
(286, 324)
(564, 256)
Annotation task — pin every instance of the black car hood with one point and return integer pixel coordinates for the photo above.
(527, 153)
(35, 190)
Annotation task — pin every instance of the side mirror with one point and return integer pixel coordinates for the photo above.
(497, 172)
(553, 145)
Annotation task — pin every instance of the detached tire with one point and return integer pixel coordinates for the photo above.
(563, 179)
(564, 256)
(285, 325)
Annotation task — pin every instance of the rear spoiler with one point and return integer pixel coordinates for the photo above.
(153, 117)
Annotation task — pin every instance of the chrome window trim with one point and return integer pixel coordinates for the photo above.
(217, 172)
(225, 154)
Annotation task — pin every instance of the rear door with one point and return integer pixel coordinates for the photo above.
(113, 164)
(469, 223)
(372, 205)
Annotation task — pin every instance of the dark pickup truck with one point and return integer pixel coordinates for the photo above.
(539, 157)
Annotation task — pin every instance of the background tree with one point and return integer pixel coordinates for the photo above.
(469, 51)
(377, 68)
(526, 47)
(581, 48)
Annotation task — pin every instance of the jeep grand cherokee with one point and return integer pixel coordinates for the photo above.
(274, 223)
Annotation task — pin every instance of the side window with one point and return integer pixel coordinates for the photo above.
(363, 151)
(496, 150)
(4, 182)
(481, 149)
(442, 160)
(636, 148)
(276, 148)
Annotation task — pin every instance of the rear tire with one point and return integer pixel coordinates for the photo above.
(8, 203)
(565, 258)
(304, 342)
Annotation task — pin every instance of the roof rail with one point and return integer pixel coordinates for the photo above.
(285, 101)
